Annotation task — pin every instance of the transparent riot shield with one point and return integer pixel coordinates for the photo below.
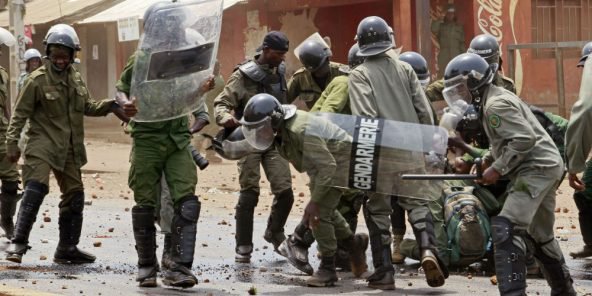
(175, 58)
(372, 154)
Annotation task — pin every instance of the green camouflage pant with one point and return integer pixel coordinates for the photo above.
(150, 161)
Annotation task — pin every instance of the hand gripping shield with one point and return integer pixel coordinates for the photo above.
(175, 58)
(372, 154)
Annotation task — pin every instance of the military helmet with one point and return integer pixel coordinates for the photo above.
(586, 50)
(417, 62)
(472, 67)
(262, 118)
(63, 38)
(260, 107)
(313, 55)
(487, 47)
(353, 58)
(63, 29)
(31, 53)
(374, 36)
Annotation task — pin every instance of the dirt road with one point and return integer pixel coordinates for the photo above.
(107, 233)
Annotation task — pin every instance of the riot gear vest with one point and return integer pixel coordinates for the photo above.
(270, 83)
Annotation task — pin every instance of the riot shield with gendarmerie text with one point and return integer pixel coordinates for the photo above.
(371, 154)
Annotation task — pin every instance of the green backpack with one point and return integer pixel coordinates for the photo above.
(467, 225)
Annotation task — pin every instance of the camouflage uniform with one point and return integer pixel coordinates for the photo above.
(230, 103)
(54, 103)
(302, 85)
(8, 171)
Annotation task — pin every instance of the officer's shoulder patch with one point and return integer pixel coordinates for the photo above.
(494, 120)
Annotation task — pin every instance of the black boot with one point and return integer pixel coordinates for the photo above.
(584, 212)
(166, 252)
(383, 277)
(28, 210)
(145, 236)
(295, 248)
(435, 270)
(325, 276)
(184, 231)
(247, 201)
(8, 200)
(280, 209)
(510, 260)
(70, 224)
(555, 271)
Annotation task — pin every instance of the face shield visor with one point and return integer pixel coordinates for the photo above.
(458, 97)
(425, 82)
(259, 134)
(233, 146)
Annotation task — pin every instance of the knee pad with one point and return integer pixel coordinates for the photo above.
(247, 200)
(77, 202)
(142, 217)
(510, 259)
(9, 187)
(37, 187)
(189, 209)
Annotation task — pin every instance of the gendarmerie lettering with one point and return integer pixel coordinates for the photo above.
(365, 154)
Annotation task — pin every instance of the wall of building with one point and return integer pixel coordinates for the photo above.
(249, 23)
(535, 74)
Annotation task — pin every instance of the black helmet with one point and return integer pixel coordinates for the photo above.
(63, 38)
(374, 36)
(353, 59)
(417, 62)
(63, 28)
(313, 55)
(472, 67)
(262, 117)
(261, 106)
(586, 50)
(487, 47)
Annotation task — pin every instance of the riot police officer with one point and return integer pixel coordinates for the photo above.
(263, 74)
(522, 151)
(8, 170)
(488, 48)
(317, 72)
(267, 123)
(55, 111)
(381, 76)
(577, 151)
(32, 60)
